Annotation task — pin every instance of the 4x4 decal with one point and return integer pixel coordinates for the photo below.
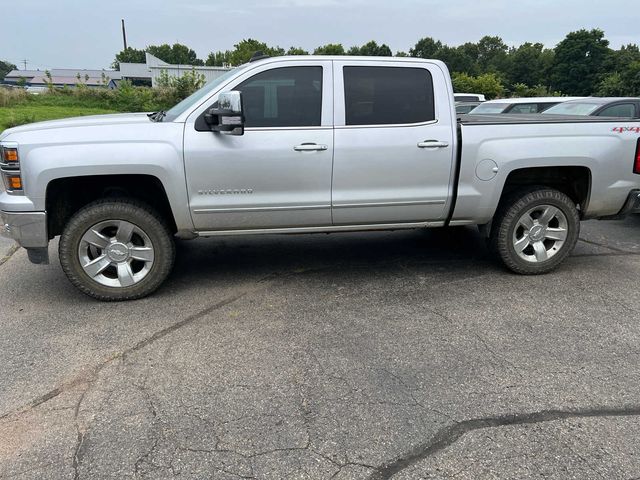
(626, 129)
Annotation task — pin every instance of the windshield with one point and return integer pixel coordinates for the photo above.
(570, 108)
(200, 95)
(489, 108)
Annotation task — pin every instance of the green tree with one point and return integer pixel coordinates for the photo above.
(579, 63)
(330, 49)
(529, 64)
(176, 54)
(297, 51)
(492, 55)
(6, 67)
(622, 77)
(612, 86)
(245, 49)
(128, 55)
(427, 48)
(621, 84)
(371, 49)
(487, 84)
(218, 59)
(523, 90)
(463, 58)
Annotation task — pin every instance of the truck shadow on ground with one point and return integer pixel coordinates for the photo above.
(228, 257)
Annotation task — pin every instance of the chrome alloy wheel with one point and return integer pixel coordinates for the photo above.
(116, 253)
(540, 233)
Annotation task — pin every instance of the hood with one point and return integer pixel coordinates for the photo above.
(92, 120)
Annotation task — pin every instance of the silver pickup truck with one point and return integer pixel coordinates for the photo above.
(305, 145)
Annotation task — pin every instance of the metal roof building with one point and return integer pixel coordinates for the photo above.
(138, 73)
(61, 77)
(153, 68)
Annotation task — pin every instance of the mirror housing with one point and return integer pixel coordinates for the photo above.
(227, 117)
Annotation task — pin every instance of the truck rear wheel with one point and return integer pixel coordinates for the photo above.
(535, 230)
(116, 249)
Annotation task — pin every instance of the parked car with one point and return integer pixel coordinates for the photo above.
(469, 97)
(305, 145)
(36, 90)
(519, 105)
(465, 107)
(599, 107)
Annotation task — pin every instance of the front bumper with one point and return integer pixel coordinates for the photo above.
(28, 229)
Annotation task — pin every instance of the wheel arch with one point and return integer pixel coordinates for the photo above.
(573, 181)
(66, 195)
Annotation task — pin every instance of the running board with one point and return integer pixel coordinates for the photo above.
(326, 229)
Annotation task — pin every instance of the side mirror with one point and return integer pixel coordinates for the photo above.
(227, 117)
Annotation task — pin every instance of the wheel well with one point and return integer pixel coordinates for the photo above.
(65, 196)
(575, 182)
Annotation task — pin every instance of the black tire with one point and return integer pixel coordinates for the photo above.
(506, 221)
(117, 209)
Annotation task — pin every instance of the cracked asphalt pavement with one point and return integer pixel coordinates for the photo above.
(402, 355)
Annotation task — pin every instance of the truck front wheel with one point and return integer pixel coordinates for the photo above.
(535, 230)
(116, 249)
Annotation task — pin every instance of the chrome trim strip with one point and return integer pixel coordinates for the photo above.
(268, 129)
(389, 204)
(389, 125)
(325, 229)
(260, 209)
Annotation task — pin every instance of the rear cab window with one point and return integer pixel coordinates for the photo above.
(378, 95)
(390, 93)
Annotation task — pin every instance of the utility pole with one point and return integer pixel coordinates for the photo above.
(124, 35)
(25, 63)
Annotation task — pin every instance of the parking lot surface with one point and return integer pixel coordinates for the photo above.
(405, 355)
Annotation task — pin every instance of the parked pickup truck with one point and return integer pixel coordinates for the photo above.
(305, 145)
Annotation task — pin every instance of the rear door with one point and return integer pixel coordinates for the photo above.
(394, 143)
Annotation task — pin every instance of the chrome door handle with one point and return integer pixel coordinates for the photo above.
(310, 147)
(433, 144)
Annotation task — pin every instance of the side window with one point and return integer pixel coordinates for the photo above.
(622, 110)
(545, 106)
(283, 97)
(524, 108)
(388, 95)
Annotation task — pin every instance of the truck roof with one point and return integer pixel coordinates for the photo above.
(349, 58)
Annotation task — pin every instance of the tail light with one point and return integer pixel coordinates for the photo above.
(636, 165)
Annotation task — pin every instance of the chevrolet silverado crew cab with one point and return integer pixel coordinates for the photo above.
(305, 145)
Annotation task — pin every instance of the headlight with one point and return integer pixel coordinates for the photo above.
(10, 167)
(9, 155)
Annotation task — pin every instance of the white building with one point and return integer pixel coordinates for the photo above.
(150, 72)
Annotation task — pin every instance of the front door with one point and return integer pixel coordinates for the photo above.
(278, 174)
(394, 144)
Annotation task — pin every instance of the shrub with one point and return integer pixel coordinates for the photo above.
(487, 84)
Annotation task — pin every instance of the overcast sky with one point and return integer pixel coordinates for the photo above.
(86, 33)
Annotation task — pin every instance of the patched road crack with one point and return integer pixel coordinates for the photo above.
(9, 254)
(608, 247)
(91, 376)
(451, 434)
